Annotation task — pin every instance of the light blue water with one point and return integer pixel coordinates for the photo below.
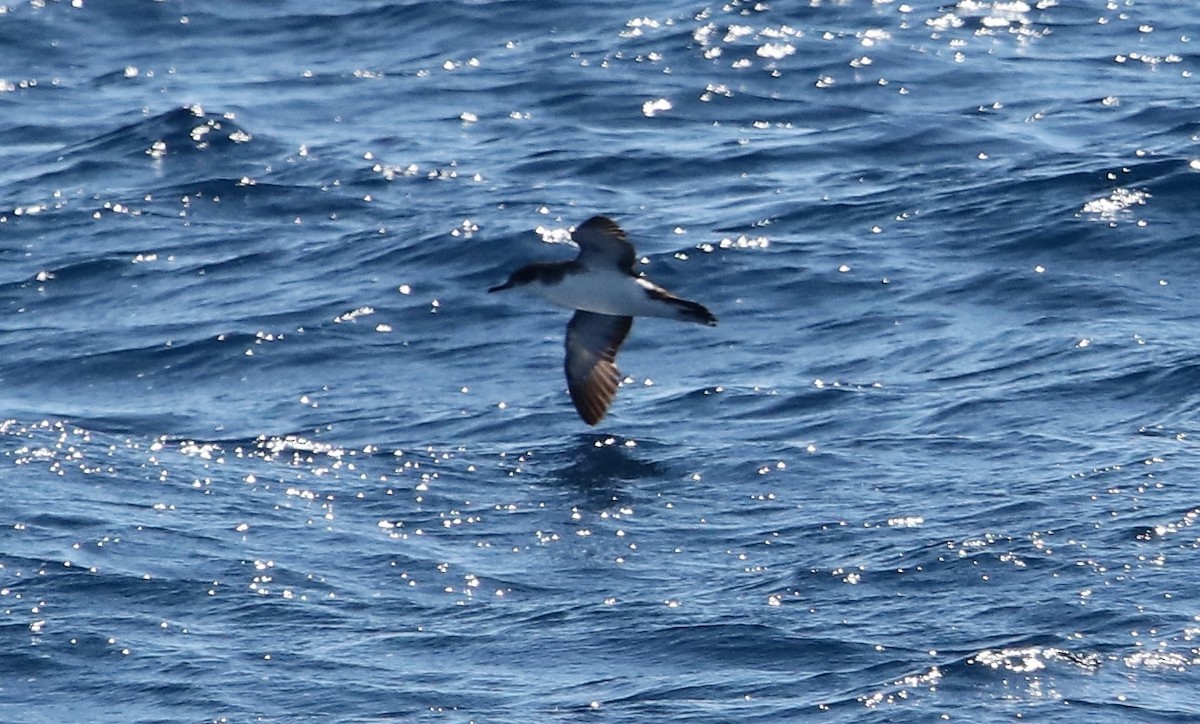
(270, 452)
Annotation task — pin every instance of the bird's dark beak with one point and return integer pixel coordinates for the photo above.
(502, 287)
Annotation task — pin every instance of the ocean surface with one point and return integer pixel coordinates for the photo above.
(269, 452)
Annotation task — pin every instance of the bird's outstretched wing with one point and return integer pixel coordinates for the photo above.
(601, 242)
(592, 376)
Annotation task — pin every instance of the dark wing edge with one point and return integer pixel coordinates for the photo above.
(600, 238)
(592, 374)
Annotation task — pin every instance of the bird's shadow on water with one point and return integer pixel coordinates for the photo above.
(601, 464)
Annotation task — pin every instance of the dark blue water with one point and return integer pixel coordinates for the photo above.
(271, 453)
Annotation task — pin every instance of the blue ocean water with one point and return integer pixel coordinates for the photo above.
(271, 453)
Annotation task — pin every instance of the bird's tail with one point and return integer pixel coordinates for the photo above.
(689, 311)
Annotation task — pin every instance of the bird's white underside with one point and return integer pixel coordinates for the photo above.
(606, 292)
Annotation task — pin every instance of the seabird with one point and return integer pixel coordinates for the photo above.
(606, 293)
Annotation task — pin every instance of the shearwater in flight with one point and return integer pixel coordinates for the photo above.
(606, 293)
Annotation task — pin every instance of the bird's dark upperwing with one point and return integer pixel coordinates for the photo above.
(601, 242)
(592, 376)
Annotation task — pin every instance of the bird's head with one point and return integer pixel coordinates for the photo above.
(519, 278)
